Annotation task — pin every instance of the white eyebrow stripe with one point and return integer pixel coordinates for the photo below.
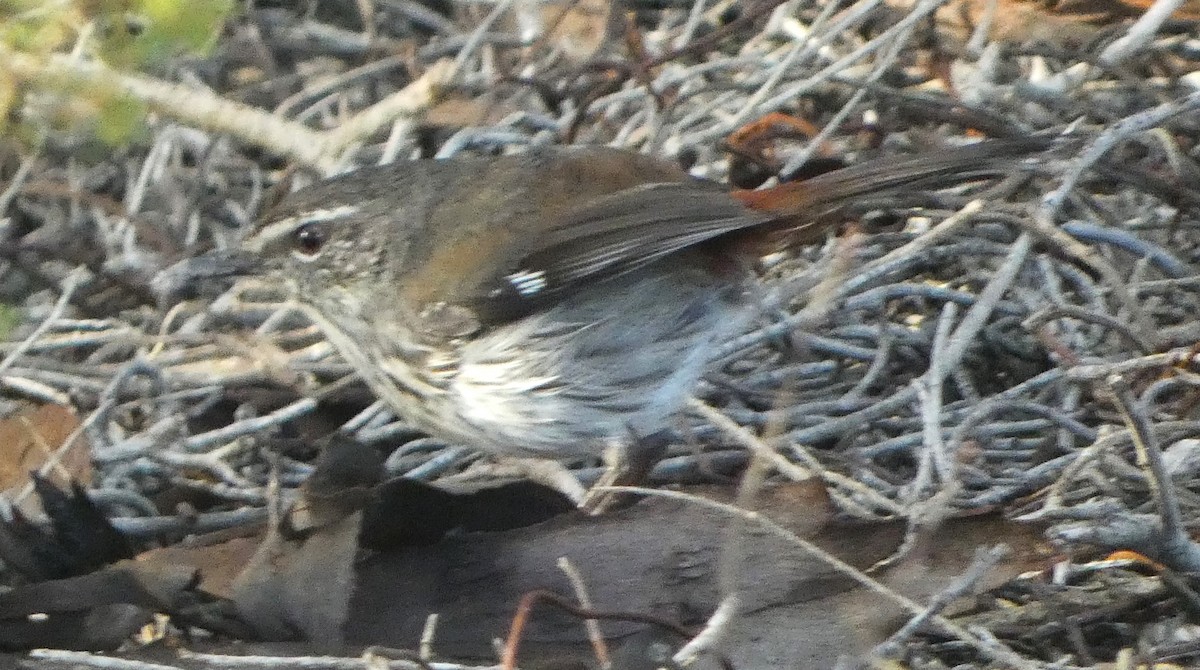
(284, 227)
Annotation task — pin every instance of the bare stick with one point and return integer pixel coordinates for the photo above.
(1140, 33)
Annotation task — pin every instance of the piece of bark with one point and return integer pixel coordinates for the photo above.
(299, 589)
(299, 582)
(658, 557)
(663, 557)
(94, 629)
(94, 611)
(125, 582)
(77, 540)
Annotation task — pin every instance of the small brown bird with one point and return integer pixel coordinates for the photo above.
(553, 302)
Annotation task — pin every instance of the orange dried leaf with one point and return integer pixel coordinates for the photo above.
(31, 437)
(1128, 555)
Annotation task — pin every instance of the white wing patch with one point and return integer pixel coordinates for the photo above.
(528, 283)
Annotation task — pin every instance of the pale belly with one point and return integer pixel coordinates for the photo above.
(610, 364)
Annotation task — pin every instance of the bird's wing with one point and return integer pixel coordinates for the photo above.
(629, 229)
(611, 236)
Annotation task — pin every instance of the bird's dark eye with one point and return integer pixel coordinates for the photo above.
(308, 240)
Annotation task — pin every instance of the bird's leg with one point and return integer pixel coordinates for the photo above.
(626, 464)
(549, 473)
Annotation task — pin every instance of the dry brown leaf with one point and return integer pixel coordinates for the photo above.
(1065, 22)
(219, 563)
(579, 28)
(455, 110)
(31, 437)
(1189, 11)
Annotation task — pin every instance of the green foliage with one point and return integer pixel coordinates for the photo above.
(120, 119)
(10, 318)
(32, 26)
(127, 35)
(151, 31)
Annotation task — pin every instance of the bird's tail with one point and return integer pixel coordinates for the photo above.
(798, 207)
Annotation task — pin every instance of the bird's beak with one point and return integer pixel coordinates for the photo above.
(204, 276)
